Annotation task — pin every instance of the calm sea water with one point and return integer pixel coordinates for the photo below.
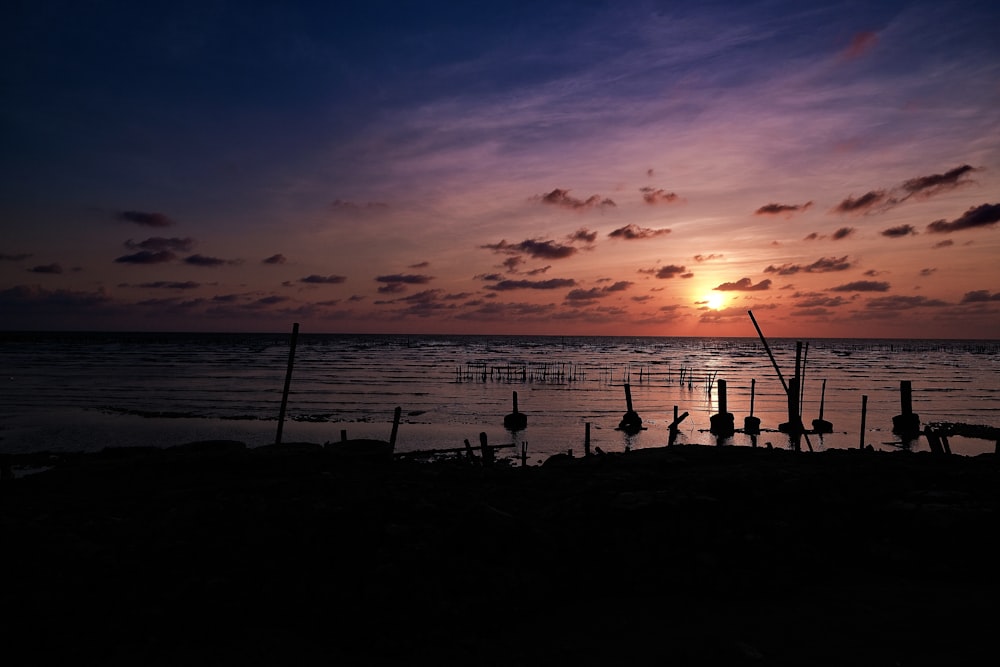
(87, 391)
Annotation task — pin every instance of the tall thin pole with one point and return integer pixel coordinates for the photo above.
(767, 348)
(288, 382)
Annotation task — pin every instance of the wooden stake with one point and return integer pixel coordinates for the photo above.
(288, 382)
(864, 414)
(586, 439)
(395, 428)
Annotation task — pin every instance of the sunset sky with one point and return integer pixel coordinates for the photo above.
(633, 168)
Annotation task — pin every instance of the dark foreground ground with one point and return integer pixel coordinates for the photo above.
(688, 555)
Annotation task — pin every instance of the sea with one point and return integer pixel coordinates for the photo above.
(64, 392)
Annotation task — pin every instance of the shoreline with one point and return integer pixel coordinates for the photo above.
(217, 553)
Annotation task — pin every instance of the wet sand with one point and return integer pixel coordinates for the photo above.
(217, 554)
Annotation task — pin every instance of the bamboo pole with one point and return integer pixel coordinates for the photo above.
(288, 382)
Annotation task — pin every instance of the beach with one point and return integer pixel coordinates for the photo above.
(217, 553)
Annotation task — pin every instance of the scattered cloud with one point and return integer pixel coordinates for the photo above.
(579, 296)
(145, 219)
(47, 268)
(633, 232)
(928, 186)
(862, 286)
(562, 198)
(539, 271)
(162, 284)
(158, 243)
(863, 204)
(821, 265)
(744, 285)
(419, 265)
(405, 278)
(14, 257)
(147, 257)
(899, 231)
(552, 283)
(903, 303)
(843, 233)
(392, 288)
(927, 272)
(985, 215)
(535, 248)
(668, 271)
(657, 196)
(947, 243)
(274, 259)
(707, 258)
(980, 296)
(861, 43)
(583, 235)
(782, 209)
(489, 277)
(345, 205)
(323, 280)
(203, 260)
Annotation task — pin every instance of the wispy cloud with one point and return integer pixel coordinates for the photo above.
(843, 233)
(552, 283)
(899, 231)
(980, 296)
(145, 219)
(655, 196)
(147, 257)
(862, 43)
(158, 243)
(821, 265)
(315, 279)
(862, 286)
(668, 271)
(203, 260)
(535, 248)
(633, 232)
(274, 259)
(47, 268)
(14, 257)
(928, 186)
(562, 198)
(782, 209)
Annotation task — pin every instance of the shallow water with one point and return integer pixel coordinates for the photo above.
(88, 391)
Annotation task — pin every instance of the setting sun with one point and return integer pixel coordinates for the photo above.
(714, 301)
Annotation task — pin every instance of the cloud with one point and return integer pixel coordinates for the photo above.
(535, 248)
(927, 272)
(633, 232)
(580, 296)
(419, 265)
(707, 258)
(986, 215)
(655, 196)
(552, 283)
(274, 259)
(14, 257)
(899, 231)
(782, 209)
(559, 197)
(819, 301)
(323, 280)
(202, 260)
(147, 257)
(489, 277)
(863, 204)
(903, 303)
(392, 288)
(843, 233)
(158, 243)
(821, 265)
(980, 296)
(812, 237)
(405, 278)
(47, 268)
(583, 235)
(539, 271)
(861, 43)
(145, 219)
(163, 284)
(928, 186)
(668, 271)
(862, 286)
(744, 285)
(947, 243)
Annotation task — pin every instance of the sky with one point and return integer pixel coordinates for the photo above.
(563, 168)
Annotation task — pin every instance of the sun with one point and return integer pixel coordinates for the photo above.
(714, 301)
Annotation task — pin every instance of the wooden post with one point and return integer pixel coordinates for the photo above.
(586, 439)
(515, 421)
(751, 424)
(631, 422)
(343, 435)
(524, 453)
(395, 428)
(485, 449)
(864, 414)
(906, 424)
(722, 423)
(628, 398)
(821, 425)
(288, 382)
(767, 348)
